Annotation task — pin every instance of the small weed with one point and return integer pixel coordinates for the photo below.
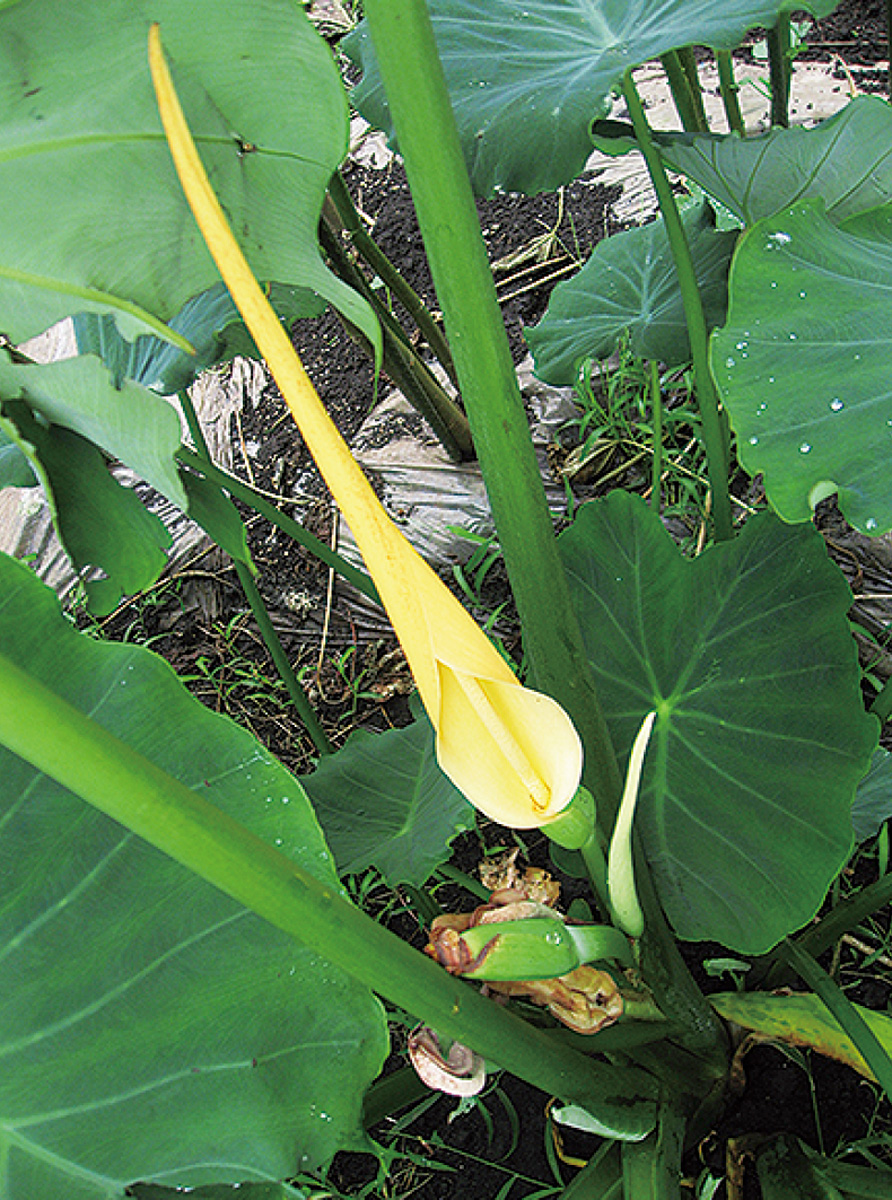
(471, 575)
(616, 434)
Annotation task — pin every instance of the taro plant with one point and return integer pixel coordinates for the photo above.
(190, 998)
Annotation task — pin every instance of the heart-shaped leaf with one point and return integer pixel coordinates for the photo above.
(382, 799)
(846, 160)
(630, 286)
(802, 361)
(150, 1027)
(761, 735)
(528, 77)
(94, 218)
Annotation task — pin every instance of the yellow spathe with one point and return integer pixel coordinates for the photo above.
(513, 752)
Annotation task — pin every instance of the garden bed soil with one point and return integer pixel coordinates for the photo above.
(200, 623)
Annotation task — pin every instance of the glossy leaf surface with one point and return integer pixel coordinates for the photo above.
(527, 77)
(745, 802)
(151, 1028)
(801, 362)
(94, 217)
(846, 160)
(382, 799)
(630, 286)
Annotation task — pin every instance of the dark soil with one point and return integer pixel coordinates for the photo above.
(201, 624)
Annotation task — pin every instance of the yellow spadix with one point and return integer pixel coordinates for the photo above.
(513, 752)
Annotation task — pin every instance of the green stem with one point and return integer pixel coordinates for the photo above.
(779, 70)
(680, 87)
(882, 701)
(465, 881)
(656, 404)
(707, 400)
(844, 1011)
(689, 65)
(596, 869)
(729, 89)
(388, 1095)
(292, 528)
(419, 104)
(652, 1168)
(600, 1178)
(389, 275)
(66, 745)
(675, 991)
(402, 363)
(259, 610)
(281, 661)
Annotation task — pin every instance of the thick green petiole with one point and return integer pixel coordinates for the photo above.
(680, 86)
(689, 66)
(401, 361)
(707, 399)
(779, 70)
(419, 104)
(656, 406)
(729, 89)
(66, 745)
(388, 274)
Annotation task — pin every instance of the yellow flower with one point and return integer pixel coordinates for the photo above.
(513, 752)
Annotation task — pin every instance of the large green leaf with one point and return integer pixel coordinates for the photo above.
(847, 160)
(802, 362)
(151, 1028)
(761, 735)
(630, 286)
(99, 522)
(383, 800)
(527, 77)
(94, 219)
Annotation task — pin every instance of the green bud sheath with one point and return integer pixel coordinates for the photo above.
(624, 905)
(539, 948)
